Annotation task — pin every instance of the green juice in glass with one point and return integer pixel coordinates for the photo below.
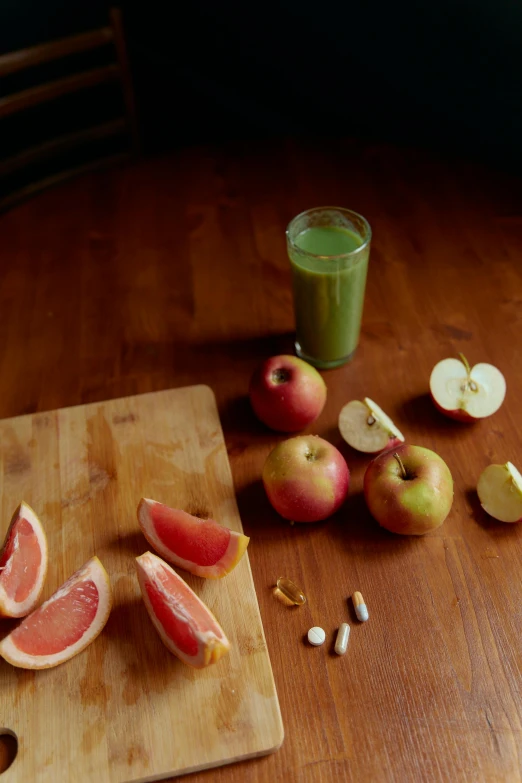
(329, 266)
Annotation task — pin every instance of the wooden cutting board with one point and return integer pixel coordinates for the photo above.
(125, 709)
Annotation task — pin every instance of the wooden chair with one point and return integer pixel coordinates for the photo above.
(115, 72)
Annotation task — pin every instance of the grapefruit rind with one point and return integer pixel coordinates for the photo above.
(8, 606)
(93, 571)
(212, 644)
(228, 561)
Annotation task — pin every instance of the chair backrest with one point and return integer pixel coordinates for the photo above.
(116, 72)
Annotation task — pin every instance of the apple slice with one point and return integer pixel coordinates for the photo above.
(365, 427)
(466, 393)
(500, 492)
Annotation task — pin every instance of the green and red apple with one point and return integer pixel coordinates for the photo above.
(306, 478)
(409, 490)
(466, 393)
(287, 394)
(500, 492)
(365, 427)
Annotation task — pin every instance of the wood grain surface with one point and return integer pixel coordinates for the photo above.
(174, 271)
(126, 709)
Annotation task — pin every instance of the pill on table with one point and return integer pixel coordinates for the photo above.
(291, 591)
(360, 607)
(343, 635)
(316, 636)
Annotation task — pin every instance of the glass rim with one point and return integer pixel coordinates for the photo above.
(344, 210)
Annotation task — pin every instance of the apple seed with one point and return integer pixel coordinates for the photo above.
(469, 385)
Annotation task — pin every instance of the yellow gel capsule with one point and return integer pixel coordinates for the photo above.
(291, 591)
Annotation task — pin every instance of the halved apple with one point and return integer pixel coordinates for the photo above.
(466, 393)
(500, 492)
(365, 427)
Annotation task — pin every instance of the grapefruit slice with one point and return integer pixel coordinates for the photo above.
(65, 624)
(186, 626)
(23, 563)
(199, 546)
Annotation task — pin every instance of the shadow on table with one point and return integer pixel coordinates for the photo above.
(254, 348)
(258, 516)
(351, 526)
(492, 526)
(241, 426)
(354, 526)
(182, 354)
(421, 410)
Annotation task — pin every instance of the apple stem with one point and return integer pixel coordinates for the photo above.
(470, 384)
(465, 363)
(403, 469)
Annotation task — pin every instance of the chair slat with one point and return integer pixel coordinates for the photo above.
(51, 90)
(61, 144)
(35, 55)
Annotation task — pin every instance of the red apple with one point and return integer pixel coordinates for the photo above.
(466, 393)
(365, 427)
(306, 478)
(287, 394)
(500, 492)
(409, 490)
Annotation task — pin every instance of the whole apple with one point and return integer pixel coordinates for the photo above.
(409, 490)
(306, 478)
(286, 393)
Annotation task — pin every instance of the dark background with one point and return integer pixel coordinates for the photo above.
(445, 74)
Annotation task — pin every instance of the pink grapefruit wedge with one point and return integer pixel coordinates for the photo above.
(186, 626)
(65, 624)
(23, 563)
(199, 546)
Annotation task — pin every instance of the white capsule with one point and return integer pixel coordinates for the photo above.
(316, 636)
(360, 607)
(343, 635)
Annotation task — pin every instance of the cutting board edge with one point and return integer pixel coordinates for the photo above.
(222, 763)
(20, 416)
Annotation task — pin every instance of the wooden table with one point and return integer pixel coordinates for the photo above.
(174, 271)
